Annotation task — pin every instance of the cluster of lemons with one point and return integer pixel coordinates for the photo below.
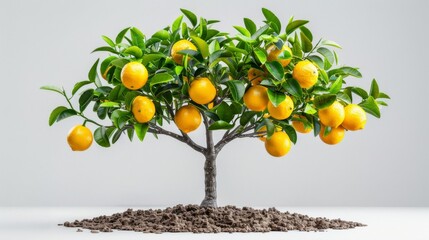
(338, 118)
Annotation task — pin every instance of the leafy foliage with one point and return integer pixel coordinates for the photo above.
(225, 60)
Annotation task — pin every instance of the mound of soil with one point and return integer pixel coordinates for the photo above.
(196, 219)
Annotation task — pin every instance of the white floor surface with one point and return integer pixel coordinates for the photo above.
(383, 223)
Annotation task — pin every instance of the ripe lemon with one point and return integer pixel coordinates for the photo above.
(79, 138)
(202, 90)
(333, 115)
(283, 110)
(355, 117)
(274, 52)
(305, 73)
(143, 109)
(263, 131)
(299, 126)
(180, 46)
(278, 145)
(335, 136)
(187, 118)
(255, 76)
(134, 75)
(256, 98)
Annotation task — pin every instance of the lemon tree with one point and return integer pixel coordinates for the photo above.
(269, 82)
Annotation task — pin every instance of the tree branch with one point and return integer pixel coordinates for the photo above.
(233, 135)
(184, 138)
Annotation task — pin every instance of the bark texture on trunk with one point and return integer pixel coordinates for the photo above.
(210, 199)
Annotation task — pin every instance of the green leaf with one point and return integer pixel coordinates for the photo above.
(330, 43)
(336, 86)
(345, 98)
(345, 71)
(270, 127)
(161, 78)
(271, 17)
(243, 31)
(151, 57)
(120, 62)
(296, 48)
(54, 114)
(360, 92)
(119, 117)
(135, 51)
(93, 71)
(383, 95)
(53, 117)
(292, 86)
(220, 125)
(224, 112)
(317, 127)
(219, 54)
(291, 132)
(78, 85)
(52, 88)
(203, 28)
(108, 41)
(371, 107)
(116, 136)
(285, 55)
(130, 133)
(110, 104)
(121, 35)
(260, 31)
(374, 91)
(162, 34)
(101, 112)
(201, 45)
(176, 24)
(276, 97)
(129, 97)
(276, 69)
(324, 101)
(329, 56)
(105, 49)
(292, 26)
(261, 55)
(307, 46)
(318, 61)
(101, 137)
(307, 32)
(324, 76)
(246, 117)
(141, 130)
(190, 15)
(105, 64)
(382, 103)
(185, 30)
(85, 99)
(309, 109)
(236, 88)
(137, 37)
(211, 33)
(250, 25)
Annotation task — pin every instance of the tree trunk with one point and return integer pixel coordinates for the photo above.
(210, 199)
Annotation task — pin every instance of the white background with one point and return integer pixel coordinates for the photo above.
(49, 42)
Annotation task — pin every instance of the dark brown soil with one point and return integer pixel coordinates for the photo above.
(196, 219)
